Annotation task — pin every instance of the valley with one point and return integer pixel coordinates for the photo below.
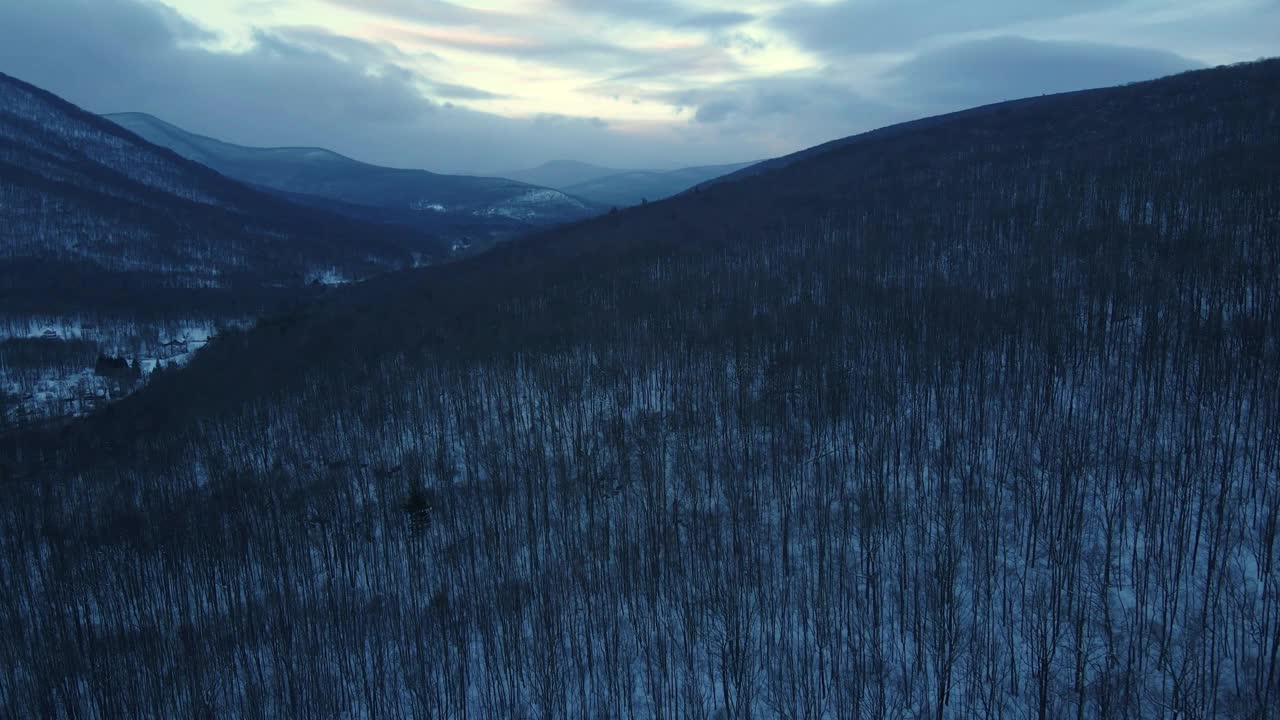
(452, 206)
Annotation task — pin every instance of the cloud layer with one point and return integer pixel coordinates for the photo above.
(640, 83)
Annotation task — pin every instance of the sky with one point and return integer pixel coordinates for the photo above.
(483, 86)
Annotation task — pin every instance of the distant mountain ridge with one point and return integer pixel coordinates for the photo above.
(85, 200)
(460, 203)
(562, 173)
(620, 188)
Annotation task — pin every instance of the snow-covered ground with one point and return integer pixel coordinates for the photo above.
(328, 276)
(70, 387)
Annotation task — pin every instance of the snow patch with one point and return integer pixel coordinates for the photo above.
(422, 205)
(329, 276)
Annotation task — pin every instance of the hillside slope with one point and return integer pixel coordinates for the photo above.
(976, 418)
(416, 197)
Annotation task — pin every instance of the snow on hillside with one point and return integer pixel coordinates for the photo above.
(47, 363)
(535, 203)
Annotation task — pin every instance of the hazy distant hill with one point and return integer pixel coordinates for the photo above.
(621, 188)
(562, 173)
(418, 197)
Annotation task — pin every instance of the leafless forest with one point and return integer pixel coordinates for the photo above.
(975, 419)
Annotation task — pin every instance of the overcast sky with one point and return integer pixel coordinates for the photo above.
(490, 85)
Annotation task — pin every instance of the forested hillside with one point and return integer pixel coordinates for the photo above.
(975, 418)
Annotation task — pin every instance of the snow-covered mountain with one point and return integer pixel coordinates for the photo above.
(971, 418)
